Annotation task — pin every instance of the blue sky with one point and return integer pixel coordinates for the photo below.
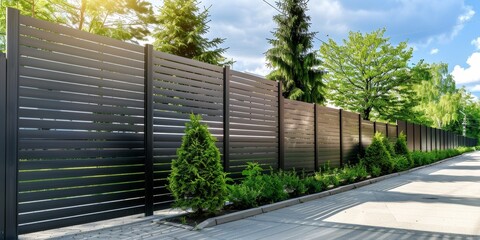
(438, 30)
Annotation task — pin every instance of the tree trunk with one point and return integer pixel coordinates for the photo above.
(83, 8)
(366, 113)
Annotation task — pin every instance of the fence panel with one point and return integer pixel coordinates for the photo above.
(350, 137)
(367, 133)
(328, 137)
(401, 127)
(253, 121)
(410, 136)
(81, 146)
(418, 141)
(299, 125)
(381, 128)
(392, 132)
(181, 87)
(423, 138)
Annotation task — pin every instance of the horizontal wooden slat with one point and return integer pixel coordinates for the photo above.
(80, 52)
(161, 56)
(108, 42)
(76, 69)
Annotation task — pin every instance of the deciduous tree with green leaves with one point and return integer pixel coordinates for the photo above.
(291, 55)
(182, 26)
(369, 75)
(41, 9)
(125, 20)
(439, 100)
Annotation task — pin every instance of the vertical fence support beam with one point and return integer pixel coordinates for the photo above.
(281, 128)
(374, 127)
(386, 127)
(341, 135)
(226, 118)
(3, 115)
(11, 133)
(148, 104)
(315, 140)
(360, 146)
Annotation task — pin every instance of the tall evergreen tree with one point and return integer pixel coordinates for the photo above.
(182, 26)
(291, 55)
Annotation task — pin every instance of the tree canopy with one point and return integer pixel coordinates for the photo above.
(367, 74)
(291, 55)
(181, 30)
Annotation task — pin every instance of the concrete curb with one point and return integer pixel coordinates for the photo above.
(294, 201)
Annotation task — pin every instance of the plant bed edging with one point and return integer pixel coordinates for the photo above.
(294, 201)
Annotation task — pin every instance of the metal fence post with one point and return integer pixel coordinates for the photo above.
(149, 201)
(341, 136)
(3, 101)
(11, 133)
(281, 128)
(315, 134)
(226, 118)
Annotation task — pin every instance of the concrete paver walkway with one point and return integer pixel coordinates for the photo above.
(437, 202)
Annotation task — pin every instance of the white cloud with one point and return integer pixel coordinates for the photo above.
(469, 74)
(476, 43)
(475, 88)
(434, 51)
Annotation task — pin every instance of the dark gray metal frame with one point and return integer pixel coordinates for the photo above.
(3, 105)
(11, 132)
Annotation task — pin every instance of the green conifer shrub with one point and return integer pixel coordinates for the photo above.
(377, 155)
(402, 149)
(197, 180)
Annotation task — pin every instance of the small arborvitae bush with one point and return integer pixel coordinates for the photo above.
(389, 146)
(378, 155)
(197, 180)
(402, 149)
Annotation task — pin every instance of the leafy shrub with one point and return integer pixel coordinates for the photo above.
(361, 171)
(312, 185)
(377, 155)
(402, 149)
(376, 171)
(292, 183)
(328, 180)
(243, 197)
(270, 185)
(401, 163)
(351, 174)
(197, 180)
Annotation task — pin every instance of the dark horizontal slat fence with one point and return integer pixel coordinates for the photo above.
(253, 122)
(180, 87)
(90, 88)
(328, 136)
(299, 129)
(100, 121)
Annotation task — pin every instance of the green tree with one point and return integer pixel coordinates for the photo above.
(197, 180)
(291, 55)
(119, 19)
(181, 29)
(41, 9)
(438, 99)
(368, 75)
